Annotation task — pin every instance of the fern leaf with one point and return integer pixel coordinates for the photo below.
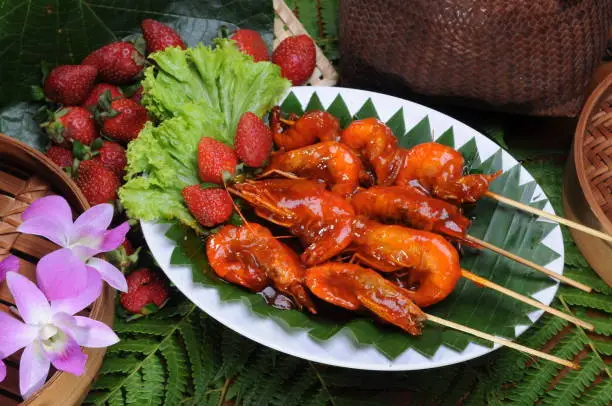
(593, 300)
(303, 382)
(274, 371)
(116, 399)
(600, 395)
(588, 278)
(107, 382)
(119, 363)
(603, 325)
(603, 347)
(309, 17)
(192, 338)
(541, 373)
(178, 306)
(251, 378)
(235, 351)
(153, 377)
(321, 398)
(175, 358)
(133, 389)
(142, 345)
(143, 326)
(329, 14)
(568, 388)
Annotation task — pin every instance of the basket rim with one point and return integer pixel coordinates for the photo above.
(100, 307)
(591, 104)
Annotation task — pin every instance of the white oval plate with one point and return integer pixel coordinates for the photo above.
(341, 350)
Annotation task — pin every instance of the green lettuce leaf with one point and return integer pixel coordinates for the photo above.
(193, 93)
(223, 79)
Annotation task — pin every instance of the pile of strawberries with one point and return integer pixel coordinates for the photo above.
(95, 112)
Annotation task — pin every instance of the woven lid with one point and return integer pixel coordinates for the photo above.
(593, 152)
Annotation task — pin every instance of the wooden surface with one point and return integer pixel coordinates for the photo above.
(26, 175)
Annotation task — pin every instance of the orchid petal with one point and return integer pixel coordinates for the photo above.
(33, 369)
(8, 264)
(61, 274)
(2, 370)
(14, 334)
(31, 302)
(109, 273)
(65, 354)
(84, 252)
(75, 304)
(87, 332)
(115, 237)
(98, 217)
(49, 217)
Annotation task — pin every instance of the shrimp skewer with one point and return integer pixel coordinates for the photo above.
(250, 256)
(330, 162)
(321, 219)
(352, 287)
(433, 263)
(405, 205)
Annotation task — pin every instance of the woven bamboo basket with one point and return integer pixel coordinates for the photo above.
(26, 175)
(587, 188)
(286, 25)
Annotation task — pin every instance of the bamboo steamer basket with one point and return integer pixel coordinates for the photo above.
(26, 175)
(587, 186)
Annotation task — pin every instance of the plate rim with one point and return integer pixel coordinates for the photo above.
(473, 350)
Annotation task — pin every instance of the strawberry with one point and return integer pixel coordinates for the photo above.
(118, 62)
(253, 140)
(70, 84)
(98, 90)
(123, 119)
(296, 57)
(210, 206)
(159, 36)
(70, 124)
(145, 287)
(98, 184)
(112, 156)
(62, 157)
(251, 43)
(214, 158)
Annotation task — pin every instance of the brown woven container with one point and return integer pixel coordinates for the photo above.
(587, 191)
(522, 56)
(26, 175)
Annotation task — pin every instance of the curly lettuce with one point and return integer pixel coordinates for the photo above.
(192, 93)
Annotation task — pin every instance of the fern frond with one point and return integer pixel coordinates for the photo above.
(309, 17)
(193, 340)
(600, 395)
(176, 383)
(603, 347)
(320, 398)
(593, 300)
(145, 326)
(133, 389)
(153, 377)
(107, 382)
(250, 379)
(235, 351)
(589, 278)
(303, 382)
(141, 345)
(568, 388)
(116, 399)
(541, 373)
(603, 325)
(119, 363)
(330, 15)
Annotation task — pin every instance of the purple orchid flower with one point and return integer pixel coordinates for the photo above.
(51, 217)
(50, 332)
(8, 264)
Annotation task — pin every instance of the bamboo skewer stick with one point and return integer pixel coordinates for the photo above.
(525, 299)
(528, 263)
(542, 213)
(502, 341)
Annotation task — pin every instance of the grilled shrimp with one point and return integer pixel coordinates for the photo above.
(311, 127)
(250, 256)
(321, 219)
(432, 261)
(353, 287)
(377, 146)
(406, 205)
(330, 161)
(439, 169)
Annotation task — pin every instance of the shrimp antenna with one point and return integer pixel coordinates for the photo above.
(244, 220)
(284, 174)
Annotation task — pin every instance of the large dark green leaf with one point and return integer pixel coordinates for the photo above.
(521, 234)
(60, 32)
